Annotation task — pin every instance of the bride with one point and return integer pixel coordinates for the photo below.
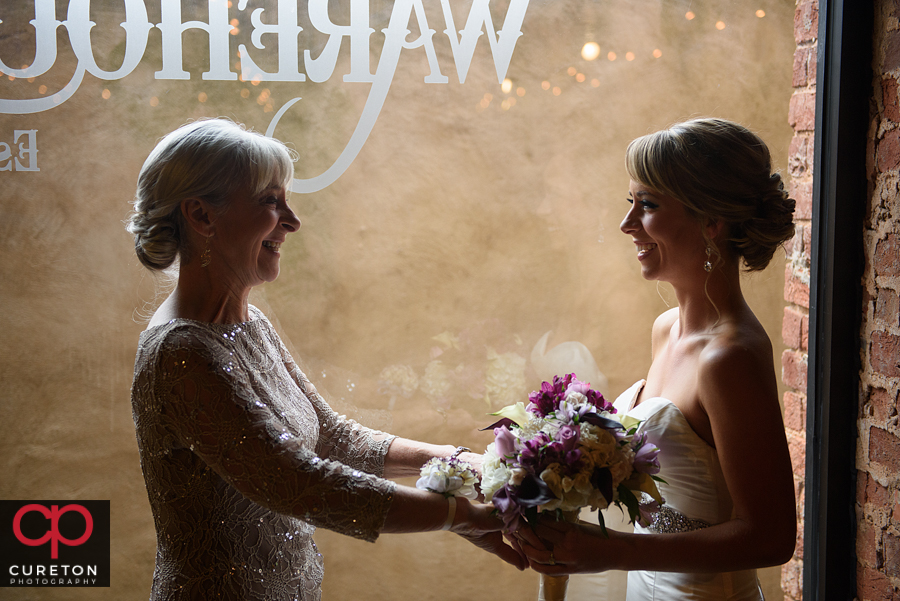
(703, 200)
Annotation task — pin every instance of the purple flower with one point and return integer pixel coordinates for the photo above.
(546, 400)
(505, 442)
(507, 508)
(569, 437)
(646, 458)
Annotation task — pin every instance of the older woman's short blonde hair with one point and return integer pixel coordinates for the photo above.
(210, 159)
(722, 172)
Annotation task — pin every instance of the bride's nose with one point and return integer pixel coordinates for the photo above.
(630, 223)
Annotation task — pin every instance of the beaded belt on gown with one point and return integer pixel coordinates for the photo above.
(670, 521)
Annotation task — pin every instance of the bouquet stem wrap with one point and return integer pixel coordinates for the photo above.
(553, 588)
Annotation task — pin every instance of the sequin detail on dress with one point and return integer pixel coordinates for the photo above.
(669, 521)
(243, 460)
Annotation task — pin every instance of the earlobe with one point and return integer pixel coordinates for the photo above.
(198, 215)
(714, 228)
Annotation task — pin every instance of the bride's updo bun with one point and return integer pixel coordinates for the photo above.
(721, 172)
(210, 159)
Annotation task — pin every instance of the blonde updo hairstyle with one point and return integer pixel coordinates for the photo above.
(721, 172)
(209, 159)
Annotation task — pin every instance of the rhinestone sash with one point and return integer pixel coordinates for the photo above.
(670, 521)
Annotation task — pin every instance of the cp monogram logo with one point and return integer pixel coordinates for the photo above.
(53, 514)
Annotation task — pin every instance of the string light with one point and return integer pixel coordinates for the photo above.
(590, 51)
(689, 15)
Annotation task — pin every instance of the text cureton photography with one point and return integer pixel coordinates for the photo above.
(54, 543)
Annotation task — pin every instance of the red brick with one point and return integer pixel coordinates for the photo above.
(891, 47)
(887, 307)
(888, 152)
(795, 411)
(813, 65)
(802, 112)
(804, 333)
(890, 99)
(795, 291)
(876, 494)
(797, 448)
(883, 404)
(801, 192)
(884, 354)
(801, 68)
(884, 448)
(871, 157)
(793, 370)
(890, 545)
(887, 256)
(806, 22)
(807, 244)
(867, 544)
(862, 480)
(790, 327)
(872, 585)
(792, 580)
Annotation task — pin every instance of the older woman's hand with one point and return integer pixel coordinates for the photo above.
(558, 547)
(477, 523)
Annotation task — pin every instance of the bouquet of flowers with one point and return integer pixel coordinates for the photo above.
(567, 449)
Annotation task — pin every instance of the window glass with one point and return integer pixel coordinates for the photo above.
(460, 179)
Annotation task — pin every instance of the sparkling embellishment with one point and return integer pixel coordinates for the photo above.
(669, 521)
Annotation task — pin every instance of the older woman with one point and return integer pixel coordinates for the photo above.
(703, 200)
(242, 458)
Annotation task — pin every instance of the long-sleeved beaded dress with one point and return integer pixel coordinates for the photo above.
(243, 460)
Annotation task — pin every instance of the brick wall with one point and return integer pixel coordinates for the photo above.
(795, 327)
(878, 450)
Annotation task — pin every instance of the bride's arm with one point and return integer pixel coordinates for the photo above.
(739, 394)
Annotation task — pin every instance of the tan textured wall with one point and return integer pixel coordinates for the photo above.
(464, 214)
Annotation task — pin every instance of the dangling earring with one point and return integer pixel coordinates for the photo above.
(708, 265)
(206, 257)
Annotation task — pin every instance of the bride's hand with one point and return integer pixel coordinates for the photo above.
(556, 547)
(477, 523)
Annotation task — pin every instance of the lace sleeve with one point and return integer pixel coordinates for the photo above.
(343, 439)
(340, 438)
(218, 402)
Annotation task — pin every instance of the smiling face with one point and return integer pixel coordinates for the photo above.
(669, 241)
(249, 233)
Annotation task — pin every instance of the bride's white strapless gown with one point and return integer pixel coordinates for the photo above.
(697, 493)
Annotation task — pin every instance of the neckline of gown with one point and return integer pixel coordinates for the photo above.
(253, 312)
(639, 385)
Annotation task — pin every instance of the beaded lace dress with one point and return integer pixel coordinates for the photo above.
(243, 460)
(696, 496)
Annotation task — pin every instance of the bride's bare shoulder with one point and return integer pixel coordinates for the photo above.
(742, 349)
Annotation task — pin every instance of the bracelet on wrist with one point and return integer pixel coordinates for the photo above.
(459, 451)
(451, 513)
